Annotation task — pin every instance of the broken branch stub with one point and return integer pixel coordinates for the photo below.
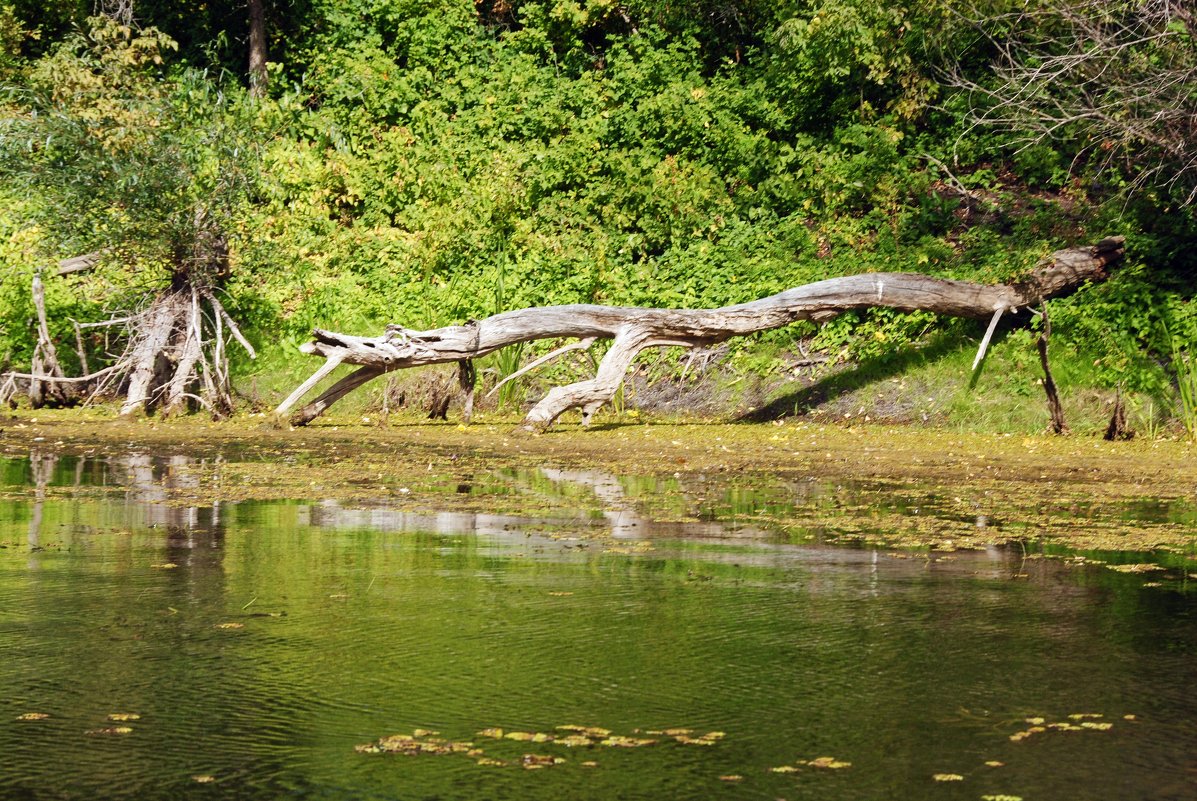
(633, 329)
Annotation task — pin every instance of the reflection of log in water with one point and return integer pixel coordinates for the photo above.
(331, 514)
(625, 521)
(42, 466)
(619, 511)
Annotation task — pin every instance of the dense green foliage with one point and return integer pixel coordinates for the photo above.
(425, 162)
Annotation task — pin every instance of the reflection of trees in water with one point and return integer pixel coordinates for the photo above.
(194, 534)
(129, 632)
(149, 481)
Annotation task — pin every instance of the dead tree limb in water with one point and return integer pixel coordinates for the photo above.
(634, 329)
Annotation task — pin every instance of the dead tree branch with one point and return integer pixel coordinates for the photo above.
(634, 329)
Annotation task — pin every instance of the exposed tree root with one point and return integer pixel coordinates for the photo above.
(175, 356)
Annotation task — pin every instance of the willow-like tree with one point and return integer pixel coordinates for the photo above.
(135, 180)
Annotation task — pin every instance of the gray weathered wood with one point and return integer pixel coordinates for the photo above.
(151, 341)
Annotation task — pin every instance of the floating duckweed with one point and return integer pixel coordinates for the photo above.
(1063, 726)
(948, 777)
(627, 742)
(710, 738)
(1078, 721)
(422, 742)
(529, 736)
(575, 741)
(33, 716)
(123, 717)
(414, 745)
(589, 731)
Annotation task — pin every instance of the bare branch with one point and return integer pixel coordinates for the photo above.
(581, 344)
(233, 329)
(71, 379)
(1116, 77)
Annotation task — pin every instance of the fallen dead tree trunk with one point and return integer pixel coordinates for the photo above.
(634, 329)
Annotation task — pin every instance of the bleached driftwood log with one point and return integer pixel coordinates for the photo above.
(634, 329)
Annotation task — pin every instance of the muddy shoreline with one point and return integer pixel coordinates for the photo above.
(911, 487)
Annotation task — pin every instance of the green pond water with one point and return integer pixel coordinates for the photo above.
(260, 643)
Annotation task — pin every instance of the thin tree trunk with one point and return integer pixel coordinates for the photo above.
(258, 77)
(45, 356)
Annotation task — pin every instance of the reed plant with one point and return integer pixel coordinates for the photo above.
(1186, 385)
